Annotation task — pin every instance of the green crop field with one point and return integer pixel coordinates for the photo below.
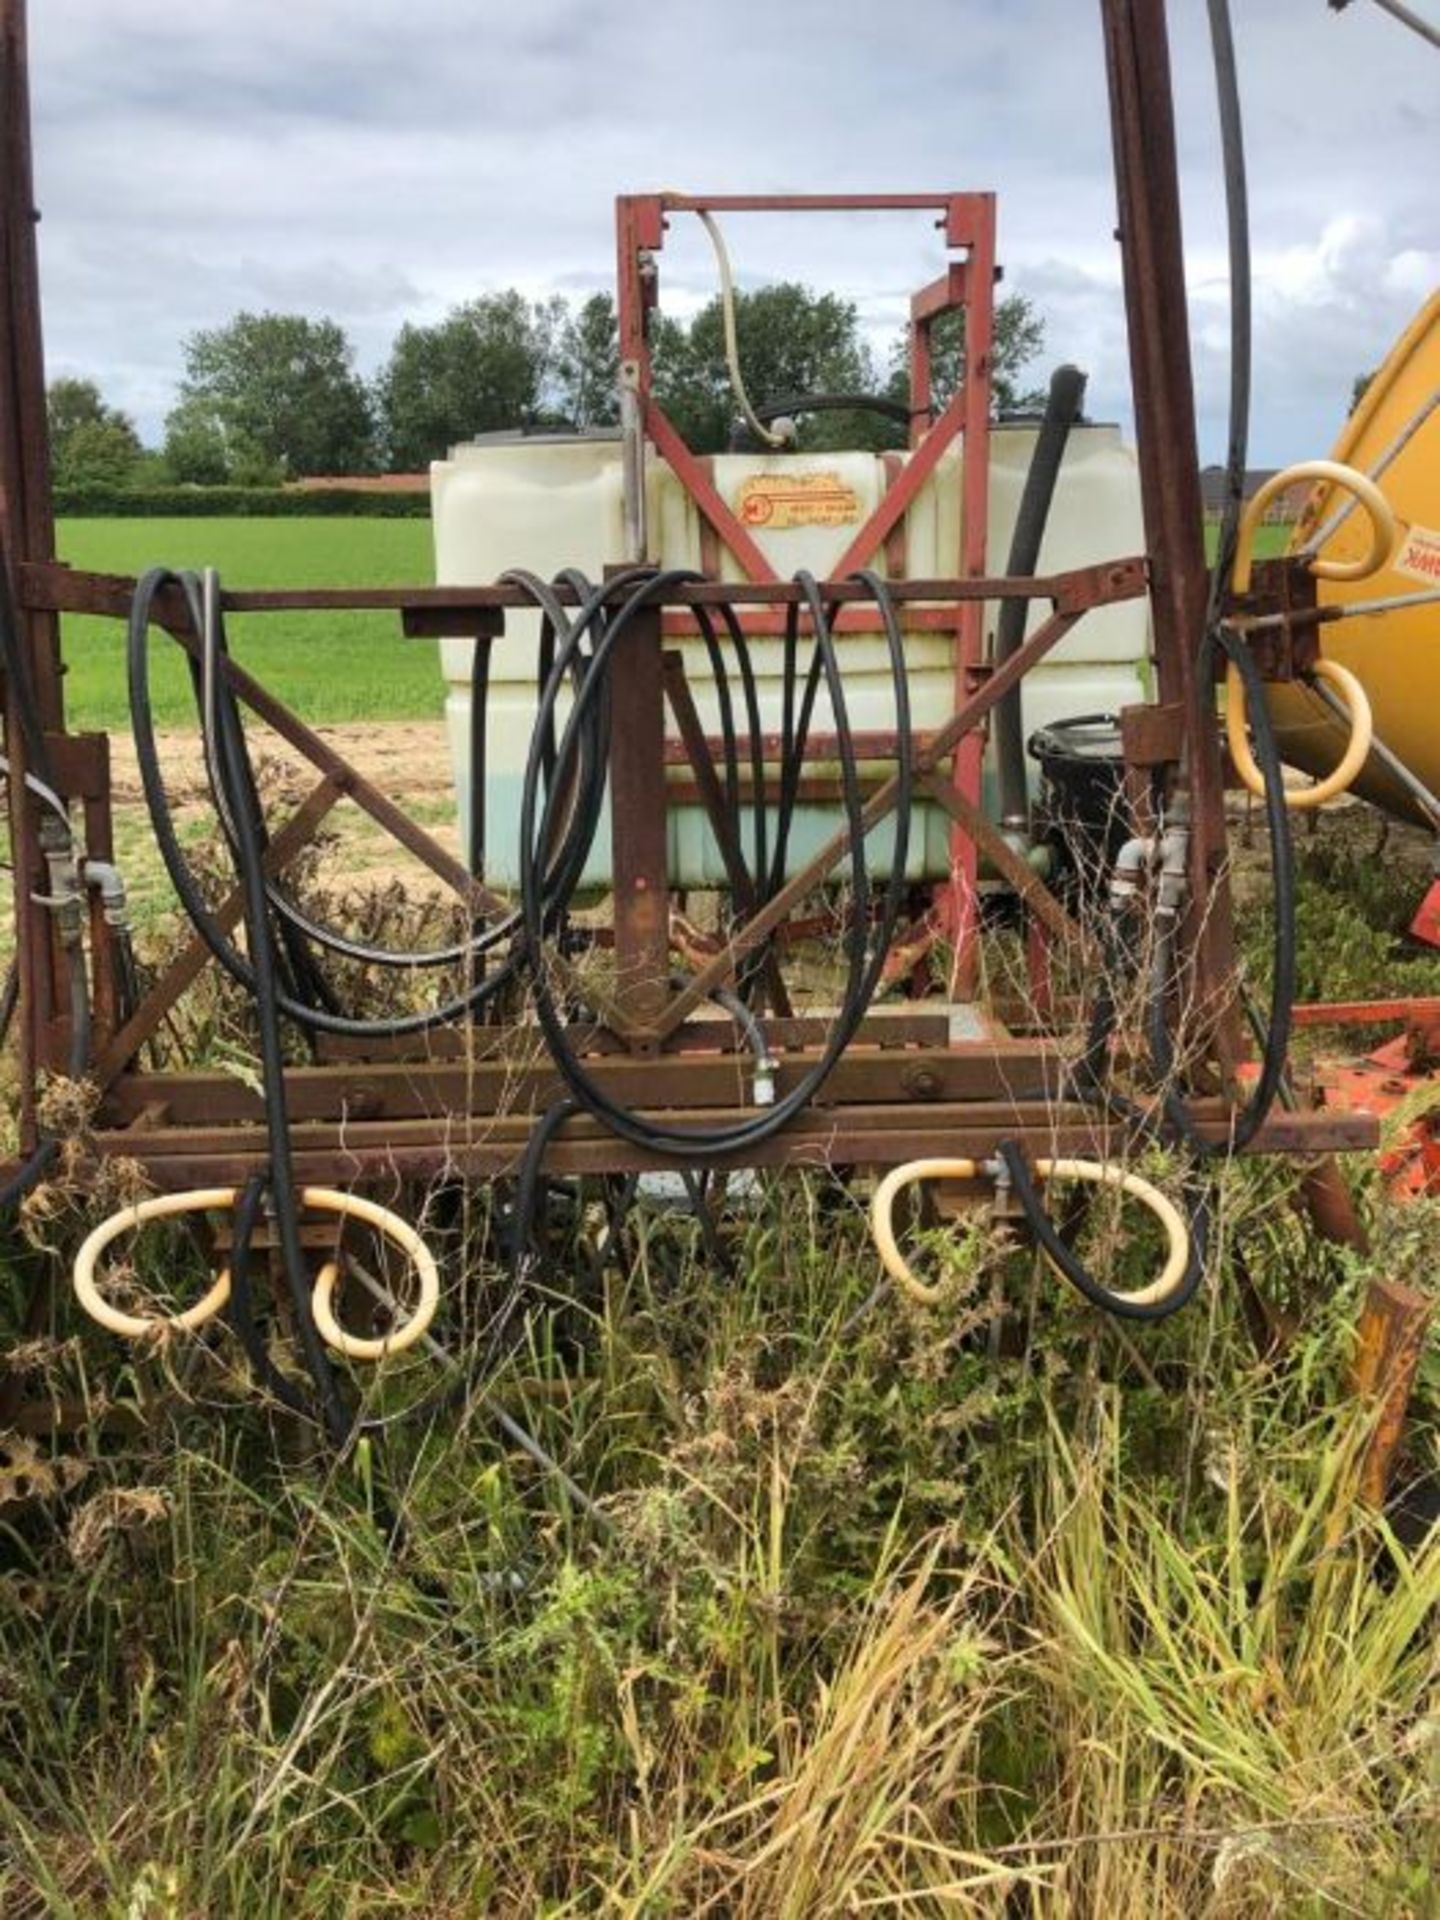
(328, 666)
(1270, 541)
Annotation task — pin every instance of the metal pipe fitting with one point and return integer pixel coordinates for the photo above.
(65, 898)
(1174, 871)
(1130, 865)
(108, 878)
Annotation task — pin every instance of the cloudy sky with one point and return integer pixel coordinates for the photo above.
(381, 160)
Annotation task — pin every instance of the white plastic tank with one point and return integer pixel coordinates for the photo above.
(545, 503)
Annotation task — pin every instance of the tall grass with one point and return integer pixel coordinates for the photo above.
(889, 1616)
(998, 1608)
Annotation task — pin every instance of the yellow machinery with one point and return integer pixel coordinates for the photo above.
(1394, 436)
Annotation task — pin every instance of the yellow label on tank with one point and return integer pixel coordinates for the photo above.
(1419, 556)
(781, 500)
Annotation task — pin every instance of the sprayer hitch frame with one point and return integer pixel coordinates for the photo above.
(907, 1080)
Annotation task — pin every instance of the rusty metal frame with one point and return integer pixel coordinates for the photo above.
(1142, 120)
(357, 1117)
(466, 1107)
(967, 221)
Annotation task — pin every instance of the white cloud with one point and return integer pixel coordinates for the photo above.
(381, 162)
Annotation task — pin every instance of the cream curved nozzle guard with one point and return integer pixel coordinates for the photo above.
(1096, 1172)
(165, 1206)
(1383, 535)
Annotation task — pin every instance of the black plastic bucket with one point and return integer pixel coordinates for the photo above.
(1082, 779)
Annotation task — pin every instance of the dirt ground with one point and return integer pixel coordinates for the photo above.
(409, 759)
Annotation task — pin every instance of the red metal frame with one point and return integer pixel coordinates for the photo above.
(967, 285)
(908, 1080)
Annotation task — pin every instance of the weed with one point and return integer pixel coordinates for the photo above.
(890, 1617)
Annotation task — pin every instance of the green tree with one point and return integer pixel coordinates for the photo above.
(1360, 388)
(1019, 336)
(197, 450)
(487, 366)
(587, 364)
(92, 444)
(794, 343)
(270, 394)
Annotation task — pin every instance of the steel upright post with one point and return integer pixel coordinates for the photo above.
(1142, 118)
(27, 531)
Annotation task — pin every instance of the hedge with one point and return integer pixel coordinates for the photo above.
(151, 503)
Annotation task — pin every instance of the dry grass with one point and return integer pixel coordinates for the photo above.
(882, 1622)
(999, 1609)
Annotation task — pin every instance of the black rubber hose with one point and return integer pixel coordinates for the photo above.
(29, 1174)
(1158, 1039)
(862, 975)
(549, 759)
(526, 1251)
(1274, 1056)
(80, 1017)
(1062, 409)
(1220, 638)
(128, 984)
(299, 971)
(302, 981)
(747, 984)
(743, 440)
(309, 1018)
(16, 669)
(1074, 1269)
(729, 742)
(79, 1011)
(240, 1312)
(794, 738)
(479, 713)
(566, 652)
(1237, 215)
(9, 999)
(1267, 753)
(1270, 1081)
(834, 403)
(284, 1192)
(47, 1150)
(749, 687)
(745, 1019)
(1117, 964)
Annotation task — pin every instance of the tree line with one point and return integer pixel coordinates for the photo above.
(272, 397)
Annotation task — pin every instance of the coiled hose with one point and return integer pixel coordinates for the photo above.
(237, 801)
(863, 972)
(563, 801)
(1175, 1284)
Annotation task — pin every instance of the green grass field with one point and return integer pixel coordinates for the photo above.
(327, 666)
(1269, 541)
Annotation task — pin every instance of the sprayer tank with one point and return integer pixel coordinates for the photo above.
(548, 503)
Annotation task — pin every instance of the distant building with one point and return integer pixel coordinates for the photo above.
(363, 483)
(1283, 509)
